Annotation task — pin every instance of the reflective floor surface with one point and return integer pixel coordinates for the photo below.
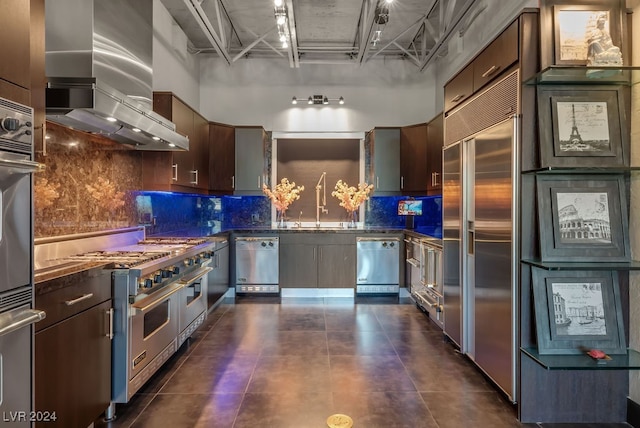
(292, 363)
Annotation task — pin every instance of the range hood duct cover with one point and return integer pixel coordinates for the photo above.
(99, 67)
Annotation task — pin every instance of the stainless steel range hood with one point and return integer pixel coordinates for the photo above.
(98, 63)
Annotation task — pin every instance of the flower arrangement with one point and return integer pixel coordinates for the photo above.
(350, 197)
(284, 194)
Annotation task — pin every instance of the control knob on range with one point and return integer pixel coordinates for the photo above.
(188, 262)
(264, 244)
(167, 273)
(176, 270)
(145, 283)
(157, 277)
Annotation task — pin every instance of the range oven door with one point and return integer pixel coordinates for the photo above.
(15, 220)
(153, 326)
(193, 302)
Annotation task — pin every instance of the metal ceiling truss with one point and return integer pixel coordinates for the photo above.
(432, 31)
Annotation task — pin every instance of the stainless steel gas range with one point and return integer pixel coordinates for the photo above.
(159, 297)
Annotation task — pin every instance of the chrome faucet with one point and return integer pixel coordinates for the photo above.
(321, 208)
(298, 223)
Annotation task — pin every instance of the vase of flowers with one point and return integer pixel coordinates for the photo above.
(351, 198)
(282, 196)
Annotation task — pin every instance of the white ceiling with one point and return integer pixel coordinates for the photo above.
(322, 31)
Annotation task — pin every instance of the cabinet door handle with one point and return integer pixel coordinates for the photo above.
(195, 176)
(314, 253)
(233, 181)
(78, 300)
(174, 170)
(320, 253)
(377, 182)
(258, 182)
(434, 179)
(402, 181)
(110, 315)
(457, 98)
(490, 70)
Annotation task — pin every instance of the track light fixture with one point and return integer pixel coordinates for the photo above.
(280, 13)
(318, 100)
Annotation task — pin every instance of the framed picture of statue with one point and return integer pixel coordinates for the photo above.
(587, 33)
(583, 126)
(577, 311)
(582, 218)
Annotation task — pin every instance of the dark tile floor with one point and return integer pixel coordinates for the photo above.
(269, 362)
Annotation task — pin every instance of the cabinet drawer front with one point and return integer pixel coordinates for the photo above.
(459, 88)
(66, 296)
(496, 58)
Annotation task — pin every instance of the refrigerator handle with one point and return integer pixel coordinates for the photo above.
(471, 232)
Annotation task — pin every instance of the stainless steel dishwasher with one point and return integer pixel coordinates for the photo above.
(256, 264)
(378, 265)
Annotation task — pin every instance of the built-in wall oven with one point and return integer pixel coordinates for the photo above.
(16, 262)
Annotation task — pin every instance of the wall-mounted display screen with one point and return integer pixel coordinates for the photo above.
(409, 207)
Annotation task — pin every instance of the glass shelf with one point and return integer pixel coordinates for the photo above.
(628, 361)
(580, 75)
(581, 170)
(621, 266)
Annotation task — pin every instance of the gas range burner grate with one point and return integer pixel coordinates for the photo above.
(121, 259)
(173, 241)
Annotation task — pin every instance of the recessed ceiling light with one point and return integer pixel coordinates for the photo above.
(280, 20)
(277, 3)
(285, 45)
(156, 138)
(171, 145)
(112, 119)
(135, 129)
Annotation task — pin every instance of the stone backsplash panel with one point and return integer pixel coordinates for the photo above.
(87, 184)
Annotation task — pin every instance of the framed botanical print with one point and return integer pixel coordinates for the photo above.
(577, 311)
(583, 218)
(583, 126)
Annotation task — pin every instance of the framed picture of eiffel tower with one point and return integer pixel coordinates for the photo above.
(583, 126)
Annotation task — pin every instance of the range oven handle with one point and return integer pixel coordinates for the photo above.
(156, 298)
(413, 262)
(199, 274)
(24, 166)
(18, 318)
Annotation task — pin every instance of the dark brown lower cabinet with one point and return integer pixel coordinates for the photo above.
(73, 368)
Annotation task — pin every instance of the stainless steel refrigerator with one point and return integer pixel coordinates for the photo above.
(480, 255)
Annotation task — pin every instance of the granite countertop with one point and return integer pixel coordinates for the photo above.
(427, 232)
(56, 269)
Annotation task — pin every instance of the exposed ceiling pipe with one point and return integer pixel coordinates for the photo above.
(294, 57)
(208, 30)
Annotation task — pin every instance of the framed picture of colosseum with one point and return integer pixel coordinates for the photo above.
(577, 311)
(582, 127)
(582, 218)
